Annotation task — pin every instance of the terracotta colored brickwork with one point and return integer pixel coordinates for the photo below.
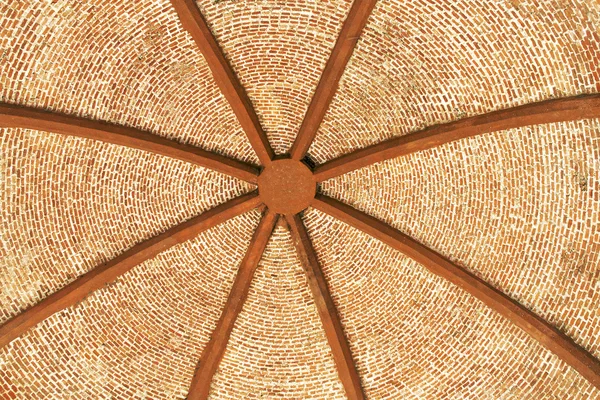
(519, 208)
(128, 62)
(278, 348)
(423, 62)
(278, 50)
(415, 336)
(70, 204)
(138, 338)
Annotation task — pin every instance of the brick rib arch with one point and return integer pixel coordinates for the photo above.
(15, 116)
(193, 21)
(542, 331)
(544, 112)
(108, 272)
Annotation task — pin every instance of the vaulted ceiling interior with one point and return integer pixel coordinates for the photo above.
(267, 199)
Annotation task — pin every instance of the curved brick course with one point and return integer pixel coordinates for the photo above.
(518, 208)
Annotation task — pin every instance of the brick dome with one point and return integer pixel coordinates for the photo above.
(451, 251)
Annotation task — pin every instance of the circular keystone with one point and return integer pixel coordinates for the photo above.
(287, 186)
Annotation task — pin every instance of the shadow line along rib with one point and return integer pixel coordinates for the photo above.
(15, 116)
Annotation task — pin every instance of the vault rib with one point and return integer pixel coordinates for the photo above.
(16, 116)
(334, 69)
(542, 331)
(327, 311)
(545, 112)
(193, 21)
(215, 348)
(108, 272)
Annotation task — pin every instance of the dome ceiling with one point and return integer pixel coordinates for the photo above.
(300, 199)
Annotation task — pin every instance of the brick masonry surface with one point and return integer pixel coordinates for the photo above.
(139, 337)
(423, 62)
(278, 49)
(518, 208)
(416, 336)
(128, 62)
(70, 204)
(278, 349)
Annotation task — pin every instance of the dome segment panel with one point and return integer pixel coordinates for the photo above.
(278, 50)
(414, 335)
(139, 337)
(518, 208)
(130, 63)
(70, 204)
(278, 348)
(422, 63)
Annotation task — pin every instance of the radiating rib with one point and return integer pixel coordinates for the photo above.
(193, 21)
(215, 348)
(327, 310)
(344, 46)
(549, 111)
(108, 272)
(15, 116)
(539, 329)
